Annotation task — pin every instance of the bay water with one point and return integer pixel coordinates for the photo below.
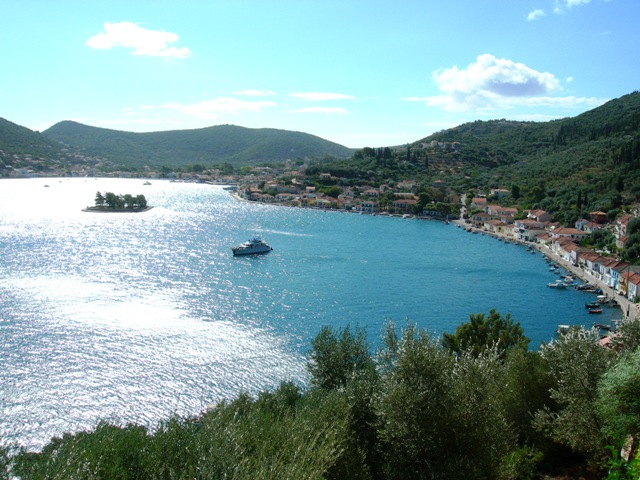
(133, 317)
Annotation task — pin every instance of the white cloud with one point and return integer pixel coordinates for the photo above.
(491, 83)
(255, 93)
(329, 110)
(140, 40)
(210, 109)
(535, 15)
(562, 5)
(321, 96)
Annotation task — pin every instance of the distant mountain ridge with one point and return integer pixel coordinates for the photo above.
(206, 146)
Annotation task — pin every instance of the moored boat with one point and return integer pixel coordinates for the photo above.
(253, 246)
(595, 310)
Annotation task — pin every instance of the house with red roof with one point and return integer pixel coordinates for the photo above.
(539, 216)
(568, 232)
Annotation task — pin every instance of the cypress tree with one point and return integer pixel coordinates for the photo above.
(579, 201)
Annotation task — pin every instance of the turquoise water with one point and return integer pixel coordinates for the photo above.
(132, 317)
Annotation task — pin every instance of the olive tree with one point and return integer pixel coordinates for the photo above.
(440, 415)
(482, 333)
(619, 399)
(337, 356)
(577, 363)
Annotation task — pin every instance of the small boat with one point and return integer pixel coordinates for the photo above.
(595, 310)
(557, 284)
(147, 183)
(253, 246)
(601, 326)
(592, 305)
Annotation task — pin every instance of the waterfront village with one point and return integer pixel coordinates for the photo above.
(483, 213)
(480, 214)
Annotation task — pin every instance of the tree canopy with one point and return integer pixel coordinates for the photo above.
(482, 333)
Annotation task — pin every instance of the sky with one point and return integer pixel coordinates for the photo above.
(356, 72)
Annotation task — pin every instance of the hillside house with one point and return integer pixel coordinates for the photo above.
(621, 230)
(408, 185)
(539, 216)
(506, 214)
(568, 232)
(478, 203)
(407, 195)
(588, 226)
(499, 193)
(598, 217)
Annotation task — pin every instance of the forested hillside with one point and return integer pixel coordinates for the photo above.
(590, 162)
(205, 146)
(18, 140)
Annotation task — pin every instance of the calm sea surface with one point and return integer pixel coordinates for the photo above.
(133, 317)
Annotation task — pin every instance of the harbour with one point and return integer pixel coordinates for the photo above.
(137, 317)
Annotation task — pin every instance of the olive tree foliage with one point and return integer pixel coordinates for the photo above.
(281, 434)
(5, 463)
(627, 336)
(526, 383)
(619, 398)
(482, 333)
(337, 356)
(577, 363)
(440, 416)
(340, 361)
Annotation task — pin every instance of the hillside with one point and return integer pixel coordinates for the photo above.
(17, 140)
(568, 166)
(205, 146)
(595, 155)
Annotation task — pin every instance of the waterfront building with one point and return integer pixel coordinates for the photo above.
(527, 230)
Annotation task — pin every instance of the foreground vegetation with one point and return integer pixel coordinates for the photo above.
(474, 405)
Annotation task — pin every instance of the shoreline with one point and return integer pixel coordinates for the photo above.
(627, 308)
(115, 210)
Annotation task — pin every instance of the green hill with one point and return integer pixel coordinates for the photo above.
(595, 155)
(24, 149)
(568, 166)
(205, 146)
(17, 141)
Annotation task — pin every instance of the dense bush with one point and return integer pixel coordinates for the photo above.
(412, 410)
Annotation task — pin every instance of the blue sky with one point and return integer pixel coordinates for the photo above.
(360, 73)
